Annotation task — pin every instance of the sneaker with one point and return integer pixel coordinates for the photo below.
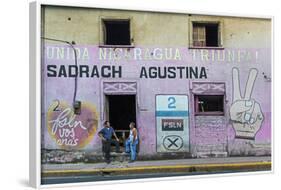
(107, 161)
(131, 161)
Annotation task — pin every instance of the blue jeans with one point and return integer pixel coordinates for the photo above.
(131, 148)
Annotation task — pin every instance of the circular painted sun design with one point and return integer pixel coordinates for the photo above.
(71, 131)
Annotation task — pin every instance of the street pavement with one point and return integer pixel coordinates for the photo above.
(91, 172)
(176, 162)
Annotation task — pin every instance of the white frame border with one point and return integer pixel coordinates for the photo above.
(35, 95)
(35, 89)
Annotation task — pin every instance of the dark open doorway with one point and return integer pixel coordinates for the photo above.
(121, 111)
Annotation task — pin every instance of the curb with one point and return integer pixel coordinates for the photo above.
(246, 166)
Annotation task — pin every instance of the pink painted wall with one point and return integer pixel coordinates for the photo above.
(217, 133)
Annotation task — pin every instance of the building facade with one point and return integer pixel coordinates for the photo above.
(196, 85)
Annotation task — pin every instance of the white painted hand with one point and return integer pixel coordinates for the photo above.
(245, 113)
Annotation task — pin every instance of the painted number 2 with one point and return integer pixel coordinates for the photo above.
(56, 108)
(171, 102)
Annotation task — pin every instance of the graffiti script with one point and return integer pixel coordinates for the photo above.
(66, 118)
(65, 124)
(68, 129)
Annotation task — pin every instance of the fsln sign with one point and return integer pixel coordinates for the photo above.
(172, 120)
(172, 124)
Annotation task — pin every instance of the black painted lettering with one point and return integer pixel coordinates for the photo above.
(117, 71)
(161, 74)
(143, 73)
(95, 72)
(152, 72)
(105, 71)
(84, 69)
(51, 70)
(180, 70)
(203, 73)
(72, 71)
(171, 72)
(62, 71)
(193, 72)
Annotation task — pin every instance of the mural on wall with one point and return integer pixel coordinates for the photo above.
(172, 115)
(245, 112)
(173, 142)
(68, 130)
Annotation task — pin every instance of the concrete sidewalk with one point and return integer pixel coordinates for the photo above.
(159, 166)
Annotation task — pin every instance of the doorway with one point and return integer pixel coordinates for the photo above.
(120, 111)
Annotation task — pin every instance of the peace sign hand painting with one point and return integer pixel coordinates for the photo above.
(245, 112)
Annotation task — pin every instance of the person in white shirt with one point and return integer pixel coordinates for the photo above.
(132, 142)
